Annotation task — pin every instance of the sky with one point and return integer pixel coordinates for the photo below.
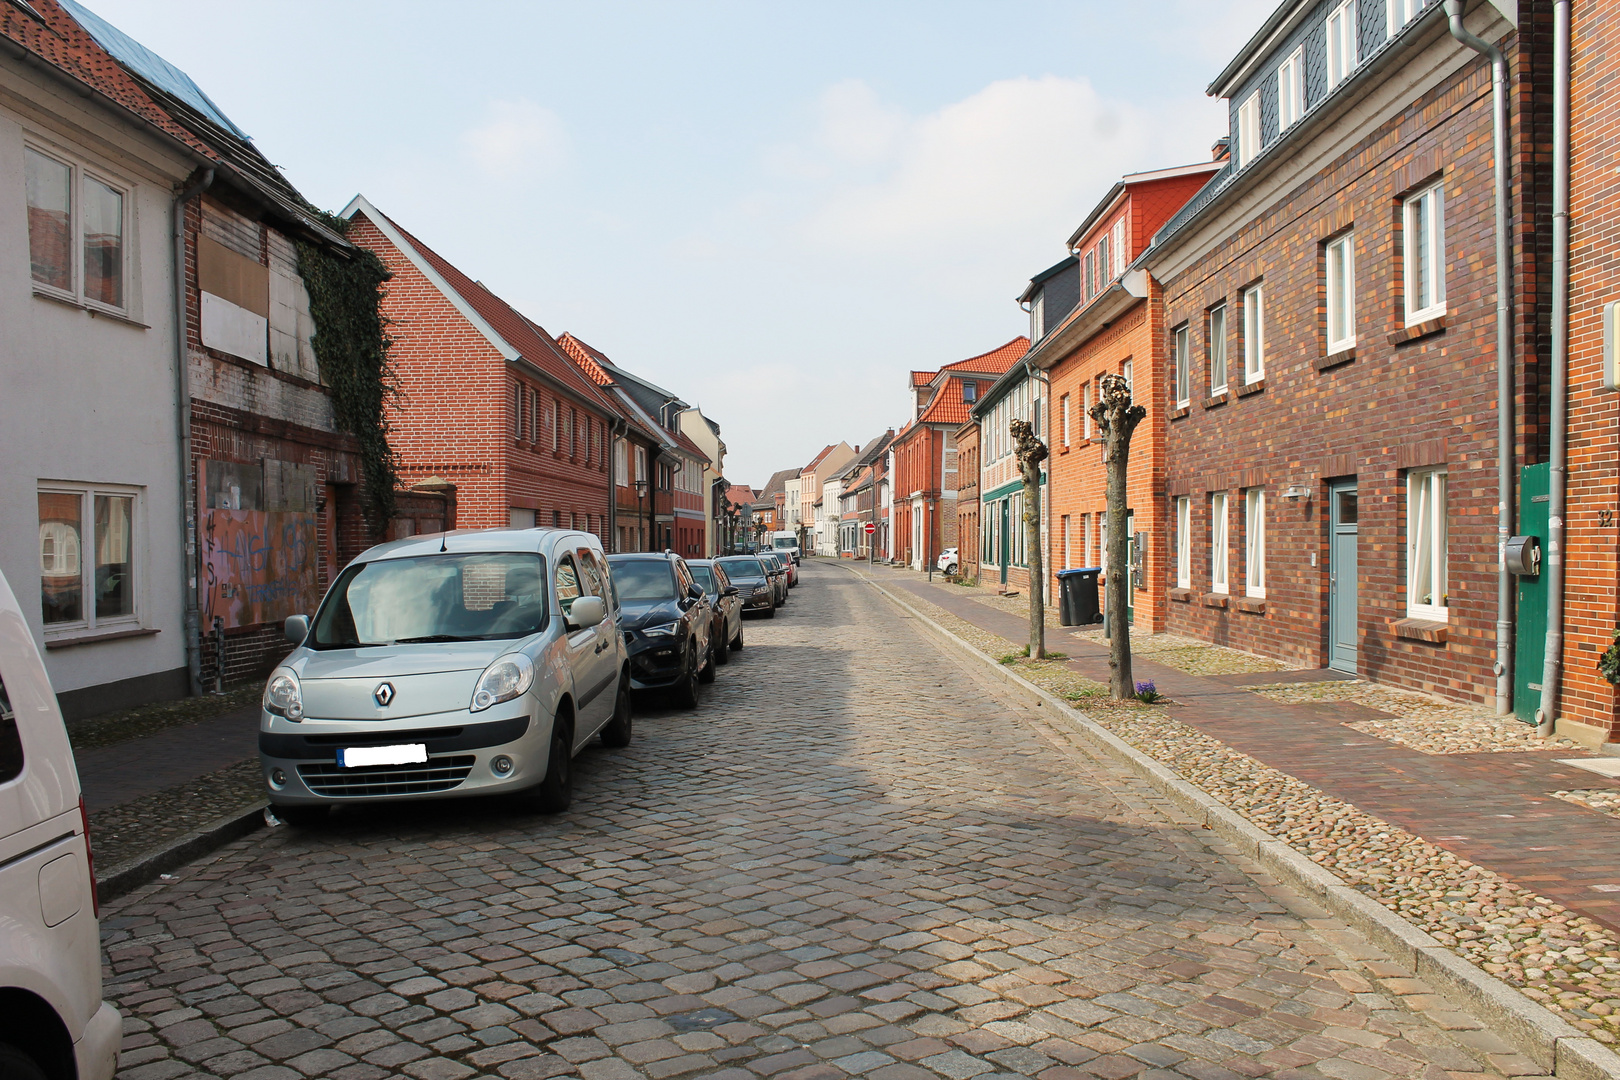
(773, 209)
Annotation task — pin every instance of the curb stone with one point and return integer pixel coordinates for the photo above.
(125, 879)
(1534, 1030)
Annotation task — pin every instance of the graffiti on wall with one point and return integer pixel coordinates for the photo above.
(257, 543)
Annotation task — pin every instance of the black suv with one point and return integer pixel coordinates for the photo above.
(667, 624)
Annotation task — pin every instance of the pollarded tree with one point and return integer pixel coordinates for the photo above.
(1116, 418)
(1031, 452)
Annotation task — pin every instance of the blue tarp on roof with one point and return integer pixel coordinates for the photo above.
(148, 64)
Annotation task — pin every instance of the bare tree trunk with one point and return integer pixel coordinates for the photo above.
(1031, 452)
(1117, 418)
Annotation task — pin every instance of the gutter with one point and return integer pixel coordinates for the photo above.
(182, 404)
(1103, 309)
(1505, 457)
(1558, 470)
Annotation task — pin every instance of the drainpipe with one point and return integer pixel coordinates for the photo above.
(1553, 662)
(619, 430)
(182, 398)
(1503, 668)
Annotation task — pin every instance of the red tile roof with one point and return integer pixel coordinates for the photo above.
(996, 361)
(948, 406)
(526, 336)
(922, 378)
(817, 459)
(588, 359)
(61, 42)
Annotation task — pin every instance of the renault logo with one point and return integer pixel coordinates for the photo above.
(384, 693)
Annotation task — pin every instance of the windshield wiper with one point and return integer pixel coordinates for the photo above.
(430, 639)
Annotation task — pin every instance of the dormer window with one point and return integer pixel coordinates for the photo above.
(1119, 247)
(1249, 129)
(1402, 12)
(1291, 89)
(1341, 42)
(1091, 274)
(970, 391)
(1037, 317)
(1102, 263)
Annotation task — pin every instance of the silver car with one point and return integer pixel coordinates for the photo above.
(461, 663)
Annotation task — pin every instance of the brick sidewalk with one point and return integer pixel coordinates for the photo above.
(1494, 809)
(122, 772)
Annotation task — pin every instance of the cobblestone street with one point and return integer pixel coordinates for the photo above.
(857, 858)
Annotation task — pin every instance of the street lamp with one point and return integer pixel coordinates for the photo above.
(641, 495)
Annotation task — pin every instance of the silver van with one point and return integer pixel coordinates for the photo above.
(52, 1019)
(460, 663)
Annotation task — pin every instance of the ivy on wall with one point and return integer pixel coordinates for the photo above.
(351, 345)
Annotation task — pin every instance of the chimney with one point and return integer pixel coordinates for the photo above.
(1222, 148)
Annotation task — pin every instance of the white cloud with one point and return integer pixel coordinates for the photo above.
(518, 139)
(1021, 155)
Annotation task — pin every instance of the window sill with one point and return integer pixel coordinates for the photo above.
(96, 637)
(88, 307)
(1254, 605)
(1426, 630)
(1215, 400)
(1181, 412)
(1426, 328)
(1181, 596)
(1217, 600)
(1252, 388)
(1334, 359)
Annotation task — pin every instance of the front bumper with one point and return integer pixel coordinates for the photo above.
(460, 749)
(764, 600)
(657, 663)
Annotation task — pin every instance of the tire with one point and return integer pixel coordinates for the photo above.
(722, 655)
(299, 817)
(771, 614)
(706, 672)
(737, 642)
(684, 694)
(616, 733)
(951, 569)
(16, 1065)
(553, 794)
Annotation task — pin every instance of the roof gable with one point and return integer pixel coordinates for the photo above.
(995, 361)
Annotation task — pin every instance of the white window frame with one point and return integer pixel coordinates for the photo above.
(1291, 89)
(1037, 317)
(1218, 361)
(78, 172)
(1423, 237)
(1091, 274)
(1248, 129)
(1119, 247)
(641, 463)
(1340, 30)
(1402, 12)
(1254, 543)
(1218, 553)
(1184, 542)
(1105, 262)
(1085, 408)
(621, 462)
(1068, 540)
(1340, 273)
(86, 494)
(1065, 410)
(1128, 370)
(1254, 334)
(1183, 366)
(1426, 520)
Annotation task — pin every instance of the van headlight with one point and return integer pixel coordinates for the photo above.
(502, 681)
(284, 697)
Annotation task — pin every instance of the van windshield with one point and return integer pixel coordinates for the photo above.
(432, 598)
(786, 542)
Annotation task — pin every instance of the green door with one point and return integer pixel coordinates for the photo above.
(1530, 637)
(1006, 537)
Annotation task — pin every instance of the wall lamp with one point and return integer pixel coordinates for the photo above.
(1297, 493)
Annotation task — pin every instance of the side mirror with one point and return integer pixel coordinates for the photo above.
(695, 592)
(296, 628)
(731, 590)
(586, 612)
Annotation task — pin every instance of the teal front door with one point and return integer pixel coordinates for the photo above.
(1006, 537)
(1342, 625)
(1530, 637)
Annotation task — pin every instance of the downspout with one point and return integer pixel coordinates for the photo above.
(1558, 451)
(182, 397)
(620, 430)
(1503, 667)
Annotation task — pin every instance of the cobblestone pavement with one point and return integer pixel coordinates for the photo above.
(856, 859)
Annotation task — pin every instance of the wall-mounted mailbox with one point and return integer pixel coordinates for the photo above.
(1523, 556)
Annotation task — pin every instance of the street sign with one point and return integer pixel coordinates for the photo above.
(870, 528)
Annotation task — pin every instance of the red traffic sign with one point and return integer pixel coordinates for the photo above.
(870, 528)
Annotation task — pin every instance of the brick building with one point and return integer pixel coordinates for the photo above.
(968, 510)
(1332, 491)
(491, 402)
(1091, 316)
(926, 470)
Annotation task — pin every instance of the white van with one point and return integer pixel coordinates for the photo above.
(53, 1022)
(786, 543)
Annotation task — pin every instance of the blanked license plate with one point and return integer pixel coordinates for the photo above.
(403, 754)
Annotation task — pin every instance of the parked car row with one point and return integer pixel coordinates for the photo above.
(481, 662)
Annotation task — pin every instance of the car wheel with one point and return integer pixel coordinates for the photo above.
(553, 794)
(299, 817)
(951, 569)
(771, 613)
(685, 692)
(722, 655)
(16, 1065)
(706, 672)
(737, 642)
(617, 731)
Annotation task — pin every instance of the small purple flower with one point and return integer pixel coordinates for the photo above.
(1146, 687)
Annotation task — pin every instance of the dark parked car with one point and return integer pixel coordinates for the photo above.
(776, 567)
(723, 596)
(754, 587)
(666, 624)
